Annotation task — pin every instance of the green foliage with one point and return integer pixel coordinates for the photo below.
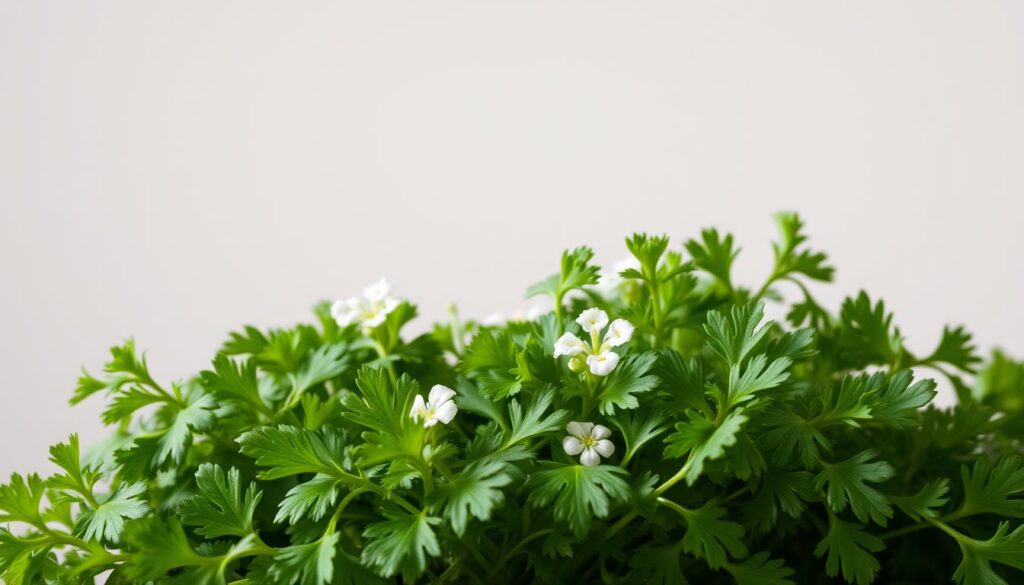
(579, 493)
(714, 446)
(220, 508)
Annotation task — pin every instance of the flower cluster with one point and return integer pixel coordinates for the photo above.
(369, 311)
(597, 354)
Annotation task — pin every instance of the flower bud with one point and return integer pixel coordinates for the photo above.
(578, 363)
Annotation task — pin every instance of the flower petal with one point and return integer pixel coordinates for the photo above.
(580, 430)
(600, 432)
(590, 458)
(389, 304)
(439, 394)
(344, 312)
(603, 363)
(378, 290)
(374, 320)
(572, 446)
(429, 422)
(418, 406)
(592, 320)
(620, 332)
(446, 411)
(569, 344)
(604, 447)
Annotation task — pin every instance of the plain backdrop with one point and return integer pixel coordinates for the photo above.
(173, 170)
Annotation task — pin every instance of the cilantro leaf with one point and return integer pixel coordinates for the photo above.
(235, 382)
(735, 335)
(703, 439)
(194, 416)
(106, 521)
(579, 493)
(401, 544)
(75, 478)
(323, 364)
(310, 563)
(312, 499)
(638, 430)
(846, 482)
(220, 508)
(158, 546)
(849, 548)
(779, 490)
(631, 377)
(789, 433)
(286, 450)
(956, 349)
(533, 422)
(20, 499)
(757, 376)
(789, 259)
(576, 272)
(714, 254)
(759, 569)
(709, 536)
(926, 502)
(897, 402)
(1005, 548)
(994, 487)
(474, 492)
(383, 407)
(493, 359)
(683, 380)
(661, 565)
(125, 367)
(866, 334)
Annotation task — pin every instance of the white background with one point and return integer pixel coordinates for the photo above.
(173, 170)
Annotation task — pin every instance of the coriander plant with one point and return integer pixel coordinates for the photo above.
(654, 427)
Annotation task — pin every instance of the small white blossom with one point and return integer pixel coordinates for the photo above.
(597, 354)
(569, 344)
(602, 364)
(589, 441)
(437, 408)
(369, 311)
(593, 320)
(618, 333)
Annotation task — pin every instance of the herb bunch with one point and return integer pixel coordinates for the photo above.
(654, 427)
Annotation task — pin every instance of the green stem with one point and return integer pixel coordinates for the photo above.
(652, 287)
(516, 550)
(764, 289)
(657, 492)
(341, 508)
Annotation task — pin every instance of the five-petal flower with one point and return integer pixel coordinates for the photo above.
(370, 311)
(589, 441)
(437, 408)
(597, 354)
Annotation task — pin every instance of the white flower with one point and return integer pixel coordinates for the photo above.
(618, 333)
(569, 344)
(599, 356)
(439, 406)
(592, 320)
(370, 311)
(589, 441)
(602, 364)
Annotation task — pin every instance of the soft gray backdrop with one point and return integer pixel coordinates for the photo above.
(173, 170)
